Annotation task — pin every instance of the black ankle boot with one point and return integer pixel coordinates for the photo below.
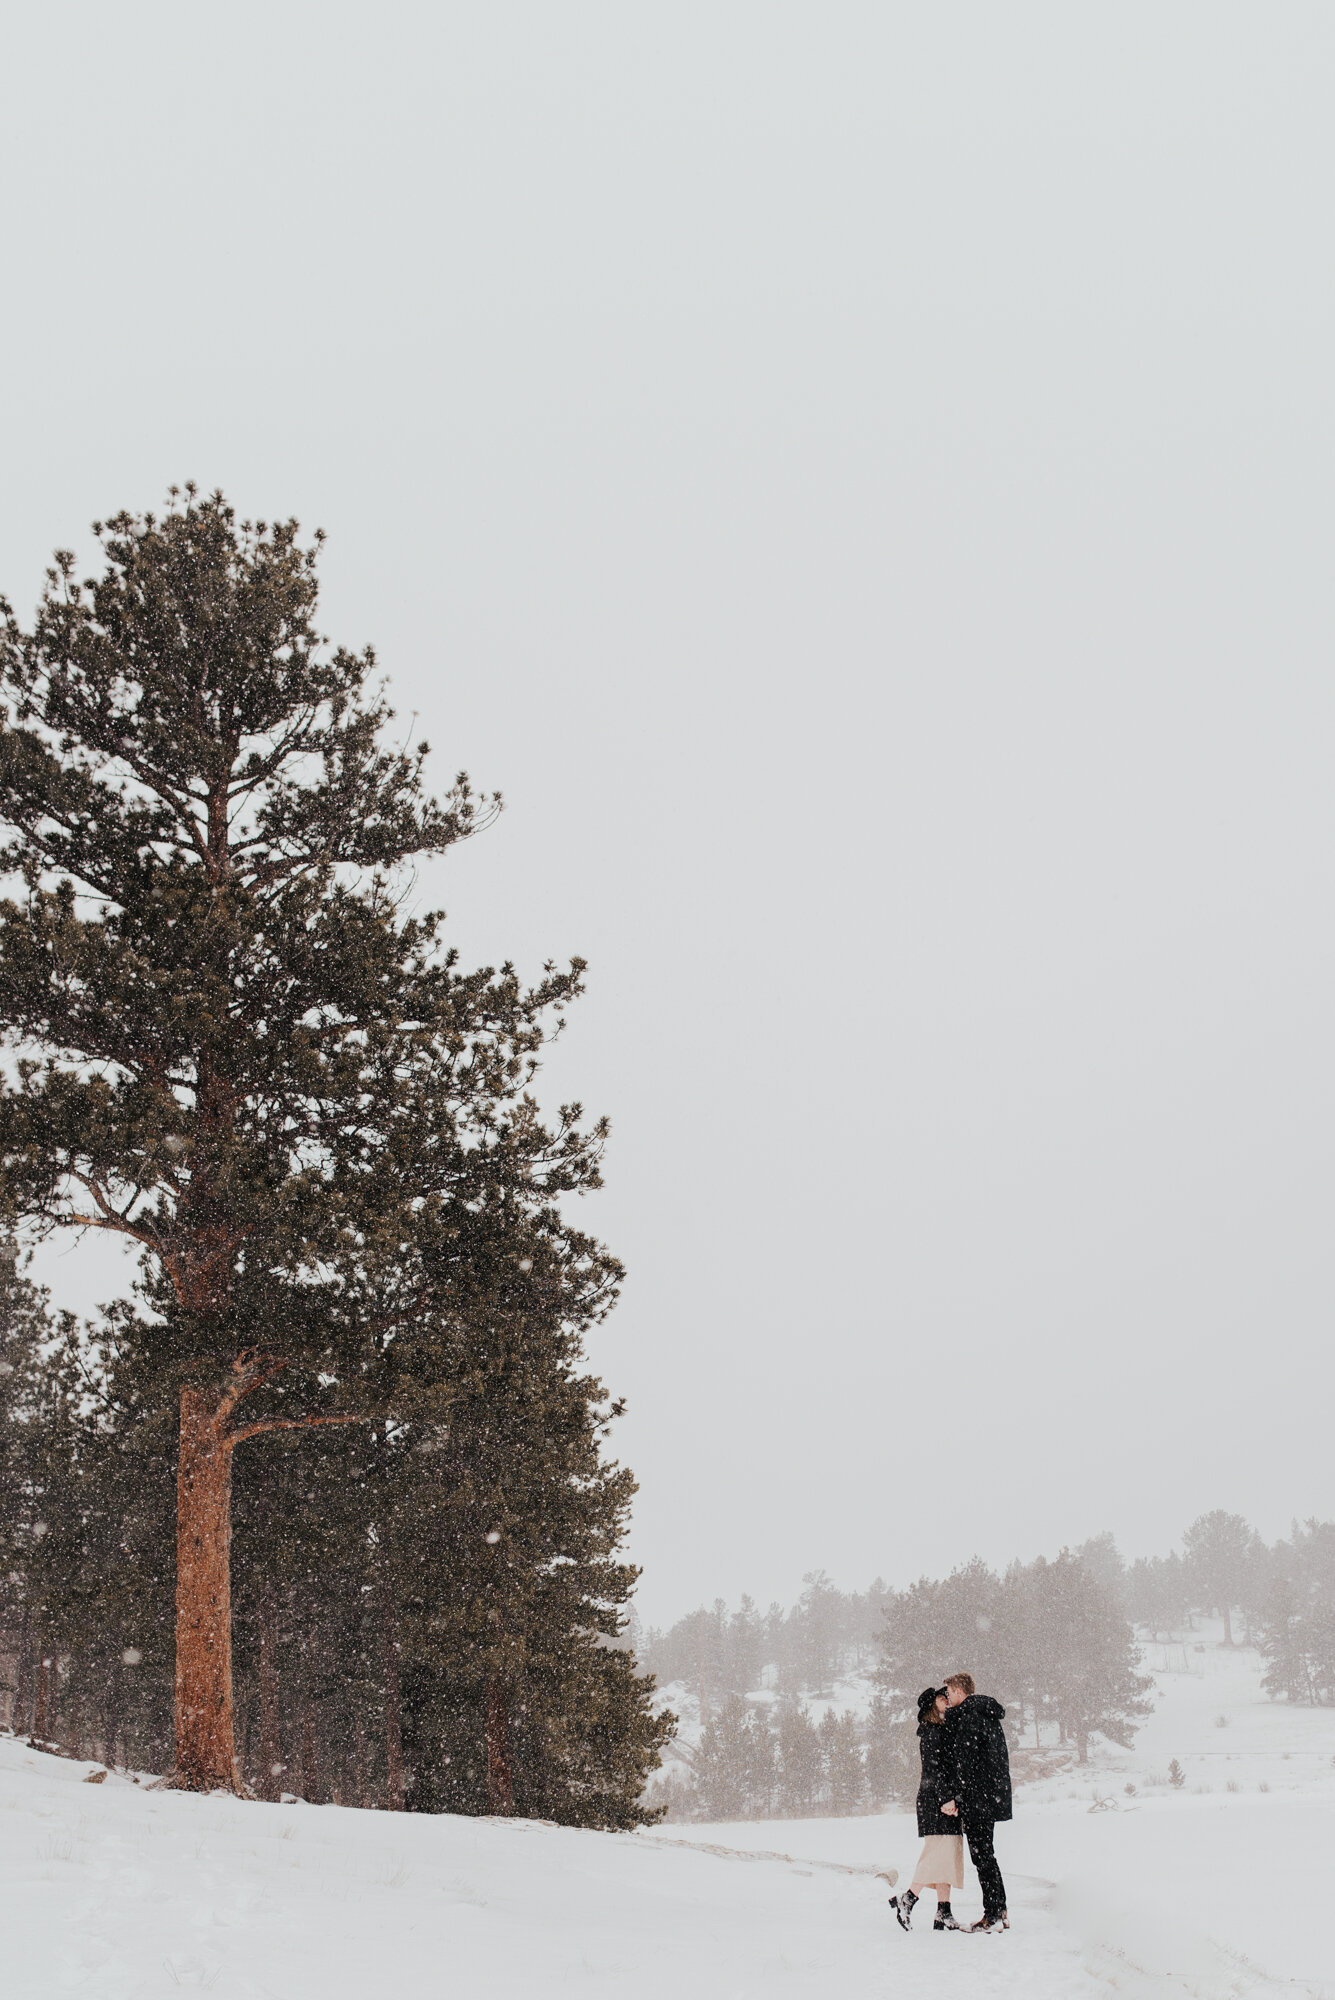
(903, 1908)
(945, 1919)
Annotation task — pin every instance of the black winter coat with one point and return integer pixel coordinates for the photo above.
(938, 1781)
(976, 1749)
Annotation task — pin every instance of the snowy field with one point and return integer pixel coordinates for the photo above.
(1220, 1888)
(120, 1893)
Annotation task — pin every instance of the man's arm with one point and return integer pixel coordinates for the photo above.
(954, 1724)
(1000, 1762)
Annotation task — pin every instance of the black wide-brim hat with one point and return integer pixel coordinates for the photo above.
(926, 1698)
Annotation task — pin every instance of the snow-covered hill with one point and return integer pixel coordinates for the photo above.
(115, 1893)
(120, 1893)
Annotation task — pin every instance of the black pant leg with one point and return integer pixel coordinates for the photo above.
(985, 1861)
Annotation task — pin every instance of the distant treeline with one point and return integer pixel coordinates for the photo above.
(1055, 1640)
(827, 1635)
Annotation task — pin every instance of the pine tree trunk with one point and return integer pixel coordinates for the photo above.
(53, 1702)
(23, 1682)
(359, 1762)
(111, 1714)
(500, 1778)
(40, 1712)
(393, 1725)
(271, 1749)
(205, 1748)
(1228, 1629)
(310, 1754)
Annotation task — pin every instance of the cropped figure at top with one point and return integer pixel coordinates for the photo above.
(941, 1863)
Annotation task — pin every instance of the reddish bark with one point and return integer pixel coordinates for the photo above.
(500, 1777)
(205, 1745)
(205, 1736)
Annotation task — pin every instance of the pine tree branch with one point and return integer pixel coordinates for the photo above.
(252, 1370)
(113, 1221)
(289, 1424)
(115, 1218)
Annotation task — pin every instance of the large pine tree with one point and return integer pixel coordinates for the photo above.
(1220, 1554)
(1085, 1649)
(235, 1049)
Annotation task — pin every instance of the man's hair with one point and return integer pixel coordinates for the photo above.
(964, 1682)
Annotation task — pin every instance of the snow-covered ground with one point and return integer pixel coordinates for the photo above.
(1220, 1888)
(120, 1893)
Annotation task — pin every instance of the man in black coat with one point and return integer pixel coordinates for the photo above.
(976, 1745)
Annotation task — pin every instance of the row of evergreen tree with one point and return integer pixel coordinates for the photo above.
(1057, 1641)
(1297, 1623)
(1275, 1595)
(826, 1636)
(1279, 1596)
(763, 1760)
(323, 1506)
(1050, 1639)
(383, 1582)
(830, 1635)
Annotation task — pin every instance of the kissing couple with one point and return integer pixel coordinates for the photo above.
(965, 1790)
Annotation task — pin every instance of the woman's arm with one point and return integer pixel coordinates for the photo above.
(939, 1781)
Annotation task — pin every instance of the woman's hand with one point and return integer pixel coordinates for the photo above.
(951, 1808)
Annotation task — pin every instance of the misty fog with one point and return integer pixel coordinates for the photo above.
(857, 480)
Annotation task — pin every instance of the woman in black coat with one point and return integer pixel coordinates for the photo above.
(941, 1863)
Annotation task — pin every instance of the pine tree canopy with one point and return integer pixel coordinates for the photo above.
(230, 1034)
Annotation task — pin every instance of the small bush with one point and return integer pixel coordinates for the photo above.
(1177, 1777)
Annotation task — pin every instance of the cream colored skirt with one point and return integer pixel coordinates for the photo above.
(941, 1860)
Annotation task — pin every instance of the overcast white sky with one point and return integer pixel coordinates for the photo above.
(859, 477)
